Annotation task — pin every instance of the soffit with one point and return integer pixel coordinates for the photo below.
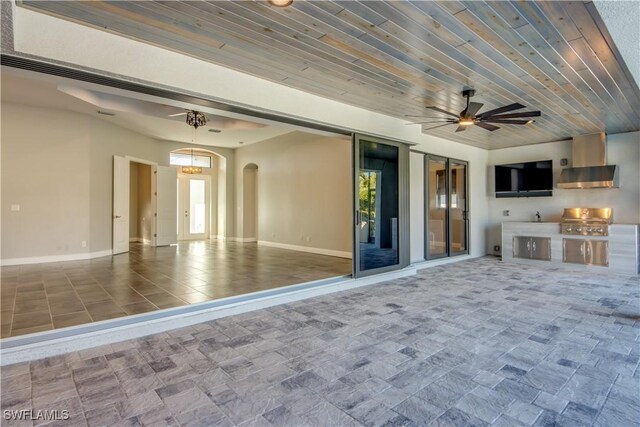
(397, 57)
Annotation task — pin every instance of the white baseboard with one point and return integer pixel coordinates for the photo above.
(319, 251)
(49, 343)
(243, 239)
(55, 258)
(135, 239)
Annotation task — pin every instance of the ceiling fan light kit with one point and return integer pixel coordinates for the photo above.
(469, 116)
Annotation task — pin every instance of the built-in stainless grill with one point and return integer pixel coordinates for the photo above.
(586, 221)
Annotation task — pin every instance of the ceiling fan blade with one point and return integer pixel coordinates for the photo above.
(443, 111)
(474, 107)
(504, 109)
(487, 126)
(510, 122)
(514, 115)
(461, 128)
(435, 127)
(177, 114)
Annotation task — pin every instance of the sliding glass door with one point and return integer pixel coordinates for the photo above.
(458, 214)
(381, 205)
(446, 218)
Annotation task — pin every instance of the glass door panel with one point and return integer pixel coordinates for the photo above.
(197, 206)
(193, 207)
(437, 203)
(458, 207)
(380, 195)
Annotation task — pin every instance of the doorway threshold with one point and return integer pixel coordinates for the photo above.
(75, 338)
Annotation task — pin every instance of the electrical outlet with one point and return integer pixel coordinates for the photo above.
(84, 243)
(15, 208)
(496, 248)
(505, 213)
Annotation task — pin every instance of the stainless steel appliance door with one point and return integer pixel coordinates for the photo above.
(573, 251)
(521, 247)
(541, 248)
(597, 252)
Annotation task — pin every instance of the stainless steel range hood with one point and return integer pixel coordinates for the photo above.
(590, 169)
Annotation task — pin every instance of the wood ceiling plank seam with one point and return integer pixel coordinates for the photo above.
(148, 35)
(506, 43)
(581, 85)
(399, 89)
(156, 9)
(561, 22)
(606, 35)
(383, 35)
(596, 41)
(487, 50)
(131, 11)
(485, 21)
(545, 34)
(316, 14)
(430, 22)
(265, 14)
(373, 60)
(358, 8)
(233, 9)
(370, 77)
(599, 72)
(495, 102)
(347, 74)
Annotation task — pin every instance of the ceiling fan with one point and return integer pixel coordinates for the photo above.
(197, 118)
(469, 116)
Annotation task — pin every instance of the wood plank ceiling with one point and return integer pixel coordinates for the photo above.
(396, 57)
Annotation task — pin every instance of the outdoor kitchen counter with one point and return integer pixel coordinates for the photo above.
(624, 245)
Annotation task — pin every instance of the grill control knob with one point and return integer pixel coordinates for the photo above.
(589, 229)
(578, 229)
(569, 229)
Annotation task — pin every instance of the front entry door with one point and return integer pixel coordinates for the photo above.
(193, 207)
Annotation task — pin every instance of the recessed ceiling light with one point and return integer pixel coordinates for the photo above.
(215, 130)
(106, 113)
(281, 3)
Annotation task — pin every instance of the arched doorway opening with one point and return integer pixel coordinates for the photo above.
(250, 203)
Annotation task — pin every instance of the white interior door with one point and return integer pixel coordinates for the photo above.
(193, 207)
(120, 205)
(166, 202)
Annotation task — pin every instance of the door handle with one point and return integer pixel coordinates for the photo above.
(528, 245)
(117, 216)
(534, 246)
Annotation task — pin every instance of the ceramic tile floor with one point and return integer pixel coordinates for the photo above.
(42, 297)
(473, 343)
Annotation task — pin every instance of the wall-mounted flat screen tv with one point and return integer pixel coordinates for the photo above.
(530, 179)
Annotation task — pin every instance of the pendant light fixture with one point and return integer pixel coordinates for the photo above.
(281, 3)
(195, 119)
(193, 169)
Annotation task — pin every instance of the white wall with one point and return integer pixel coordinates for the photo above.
(622, 150)
(304, 190)
(416, 206)
(45, 171)
(60, 171)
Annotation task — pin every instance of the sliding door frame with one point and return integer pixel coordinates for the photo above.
(403, 205)
(448, 188)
